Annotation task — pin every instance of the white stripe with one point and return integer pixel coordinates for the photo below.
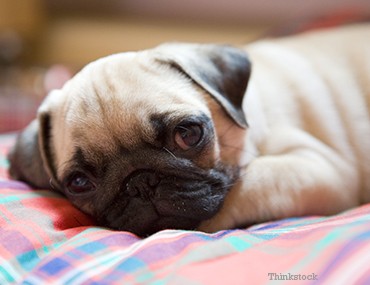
(10, 269)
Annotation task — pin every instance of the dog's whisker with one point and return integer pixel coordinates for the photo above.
(235, 147)
(248, 152)
(225, 133)
(170, 152)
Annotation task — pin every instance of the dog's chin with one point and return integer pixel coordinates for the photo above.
(161, 223)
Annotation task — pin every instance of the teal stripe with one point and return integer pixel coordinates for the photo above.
(91, 247)
(131, 264)
(144, 277)
(6, 275)
(238, 243)
(9, 199)
(159, 282)
(30, 195)
(4, 163)
(28, 260)
(330, 238)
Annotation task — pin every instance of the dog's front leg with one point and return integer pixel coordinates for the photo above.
(301, 180)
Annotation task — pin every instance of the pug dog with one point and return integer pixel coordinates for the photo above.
(207, 136)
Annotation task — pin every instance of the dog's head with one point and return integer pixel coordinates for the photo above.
(136, 139)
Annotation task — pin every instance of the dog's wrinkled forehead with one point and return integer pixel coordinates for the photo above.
(116, 97)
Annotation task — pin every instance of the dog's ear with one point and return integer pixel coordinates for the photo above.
(31, 159)
(25, 158)
(221, 70)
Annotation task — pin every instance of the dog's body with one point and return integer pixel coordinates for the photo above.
(307, 104)
(157, 139)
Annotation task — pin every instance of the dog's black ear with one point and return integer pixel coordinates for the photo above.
(25, 159)
(31, 158)
(221, 70)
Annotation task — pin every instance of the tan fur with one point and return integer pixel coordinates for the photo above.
(308, 109)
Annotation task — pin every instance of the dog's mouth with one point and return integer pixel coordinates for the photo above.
(152, 201)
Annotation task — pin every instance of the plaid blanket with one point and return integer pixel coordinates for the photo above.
(45, 240)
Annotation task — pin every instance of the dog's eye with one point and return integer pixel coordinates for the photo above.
(80, 183)
(188, 136)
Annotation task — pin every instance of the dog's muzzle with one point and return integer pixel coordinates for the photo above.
(150, 201)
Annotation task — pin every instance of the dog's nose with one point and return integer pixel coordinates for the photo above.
(142, 183)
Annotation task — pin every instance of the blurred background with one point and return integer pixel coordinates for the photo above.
(44, 42)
